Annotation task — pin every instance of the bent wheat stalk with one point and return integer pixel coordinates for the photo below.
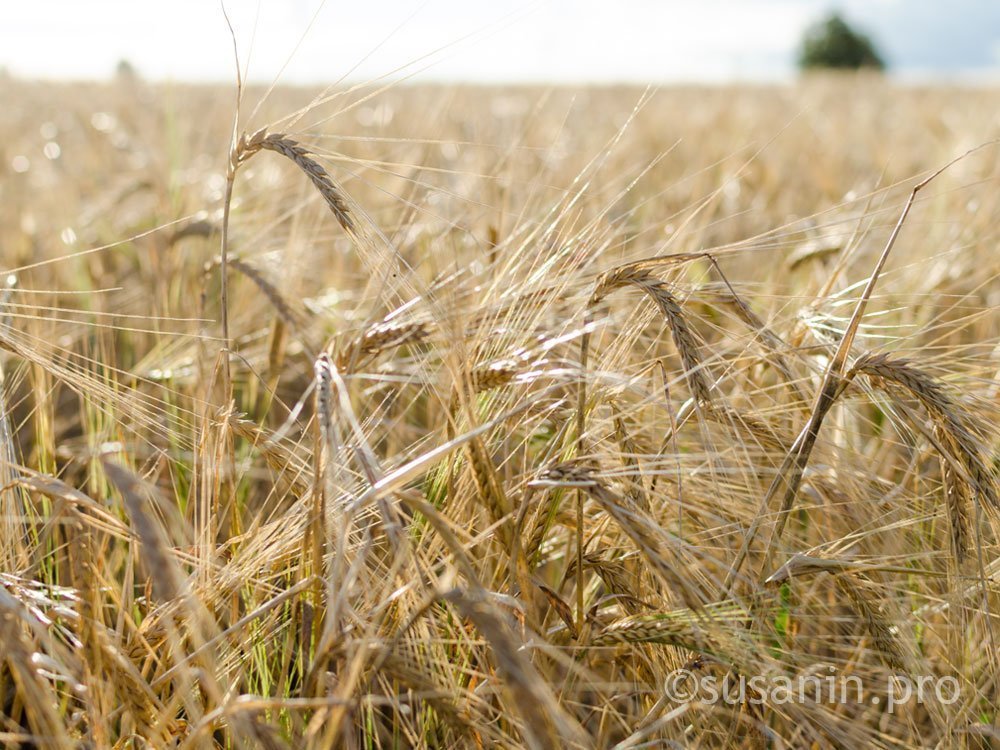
(790, 474)
(951, 424)
(280, 143)
(639, 275)
(242, 150)
(650, 539)
(684, 339)
(965, 474)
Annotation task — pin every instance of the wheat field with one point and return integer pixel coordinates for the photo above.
(456, 417)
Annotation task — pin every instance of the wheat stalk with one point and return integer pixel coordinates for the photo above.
(327, 452)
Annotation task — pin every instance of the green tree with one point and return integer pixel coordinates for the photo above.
(126, 71)
(832, 43)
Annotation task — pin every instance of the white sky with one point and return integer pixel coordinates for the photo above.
(498, 40)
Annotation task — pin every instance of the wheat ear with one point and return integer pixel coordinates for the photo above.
(293, 150)
(546, 723)
(835, 380)
(684, 627)
(493, 375)
(377, 339)
(860, 592)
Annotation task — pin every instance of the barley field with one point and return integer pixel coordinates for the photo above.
(456, 417)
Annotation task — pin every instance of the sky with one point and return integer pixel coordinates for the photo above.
(604, 41)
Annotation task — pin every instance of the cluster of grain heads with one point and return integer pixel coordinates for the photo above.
(836, 379)
(384, 550)
(638, 275)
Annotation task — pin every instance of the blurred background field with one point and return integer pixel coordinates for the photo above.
(101, 160)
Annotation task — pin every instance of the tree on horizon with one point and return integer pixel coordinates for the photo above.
(832, 43)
